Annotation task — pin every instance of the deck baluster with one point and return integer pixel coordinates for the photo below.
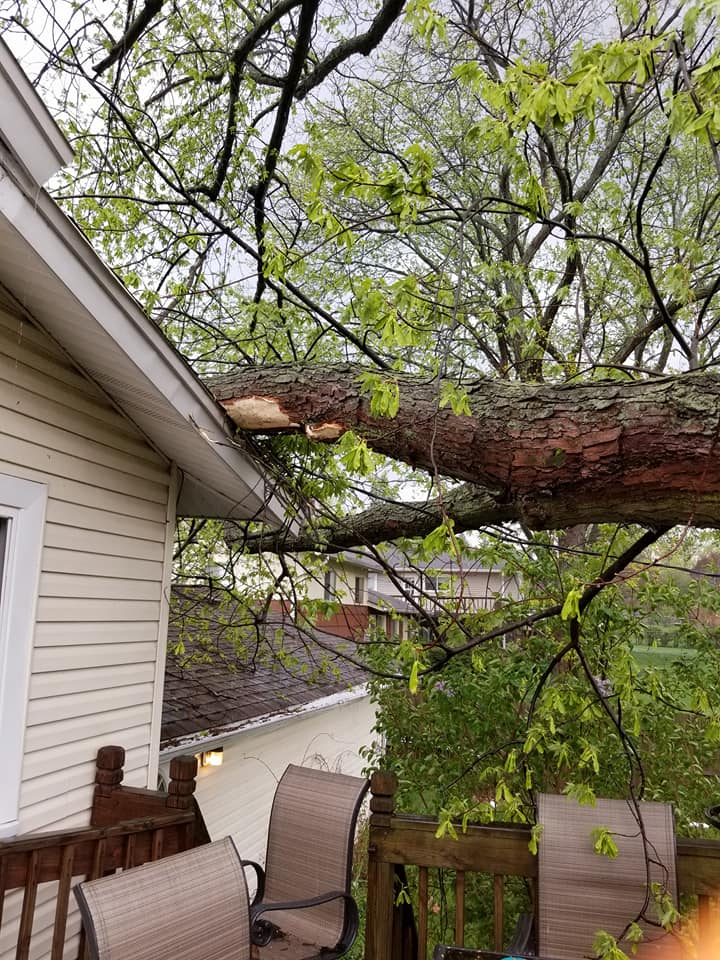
(460, 908)
(498, 910)
(422, 912)
(28, 906)
(129, 825)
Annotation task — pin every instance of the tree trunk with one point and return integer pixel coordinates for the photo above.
(551, 456)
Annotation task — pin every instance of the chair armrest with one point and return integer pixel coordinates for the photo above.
(260, 879)
(260, 908)
(261, 930)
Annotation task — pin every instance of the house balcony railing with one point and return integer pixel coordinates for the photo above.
(129, 826)
(402, 846)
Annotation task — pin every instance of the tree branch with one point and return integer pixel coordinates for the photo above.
(548, 455)
(133, 33)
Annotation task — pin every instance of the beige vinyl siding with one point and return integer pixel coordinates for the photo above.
(235, 798)
(101, 602)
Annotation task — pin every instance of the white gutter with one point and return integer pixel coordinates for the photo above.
(204, 740)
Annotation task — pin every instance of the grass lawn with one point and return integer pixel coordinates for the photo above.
(661, 656)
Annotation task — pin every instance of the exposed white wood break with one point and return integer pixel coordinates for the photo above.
(22, 517)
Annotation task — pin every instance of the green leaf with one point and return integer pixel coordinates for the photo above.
(439, 539)
(384, 394)
(456, 397)
(536, 832)
(571, 606)
(604, 843)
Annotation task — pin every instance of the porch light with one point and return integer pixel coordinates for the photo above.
(212, 758)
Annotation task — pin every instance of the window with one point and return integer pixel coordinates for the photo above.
(360, 595)
(22, 522)
(329, 585)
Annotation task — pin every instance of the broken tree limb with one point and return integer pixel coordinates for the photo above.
(548, 455)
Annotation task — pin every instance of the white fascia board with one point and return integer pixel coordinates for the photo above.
(26, 125)
(199, 742)
(54, 247)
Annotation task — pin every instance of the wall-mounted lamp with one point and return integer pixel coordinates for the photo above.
(212, 758)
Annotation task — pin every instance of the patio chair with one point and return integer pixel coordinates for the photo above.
(191, 906)
(581, 891)
(303, 907)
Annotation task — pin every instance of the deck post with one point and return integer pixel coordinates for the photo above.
(181, 788)
(109, 773)
(380, 895)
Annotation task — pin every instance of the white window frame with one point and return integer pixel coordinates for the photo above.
(23, 503)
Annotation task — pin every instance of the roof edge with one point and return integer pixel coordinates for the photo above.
(198, 742)
(26, 125)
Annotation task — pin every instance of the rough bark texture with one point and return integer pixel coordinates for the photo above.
(642, 452)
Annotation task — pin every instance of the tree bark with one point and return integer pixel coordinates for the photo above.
(548, 455)
(468, 506)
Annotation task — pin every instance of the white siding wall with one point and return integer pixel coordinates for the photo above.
(235, 798)
(101, 602)
(345, 573)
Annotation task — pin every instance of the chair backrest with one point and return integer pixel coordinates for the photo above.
(310, 847)
(581, 891)
(191, 906)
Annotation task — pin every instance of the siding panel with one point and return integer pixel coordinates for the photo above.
(95, 564)
(51, 659)
(70, 609)
(70, 491)
(53, 634)
(47, 736)
(73, 416)
(90, 679)
(107, 520)
(51, 438)
(90, 587)
(93, 541)
(101, 588)
(89, 704)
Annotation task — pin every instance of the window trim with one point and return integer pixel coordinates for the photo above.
(24, 504)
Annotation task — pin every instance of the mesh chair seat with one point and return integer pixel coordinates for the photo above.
(191, 906)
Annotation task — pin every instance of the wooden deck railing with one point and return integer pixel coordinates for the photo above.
(129, 826)
(496, 851)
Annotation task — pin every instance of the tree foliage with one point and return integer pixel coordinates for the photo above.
(454, 195)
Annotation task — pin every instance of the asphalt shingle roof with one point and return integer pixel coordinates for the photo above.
(272, 669)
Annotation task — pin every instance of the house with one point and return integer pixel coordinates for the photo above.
(289, 697)
(106, 436)
(397, 593)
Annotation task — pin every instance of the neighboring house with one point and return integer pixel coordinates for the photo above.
(106, 435)
(400, 593)
(289, 699)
